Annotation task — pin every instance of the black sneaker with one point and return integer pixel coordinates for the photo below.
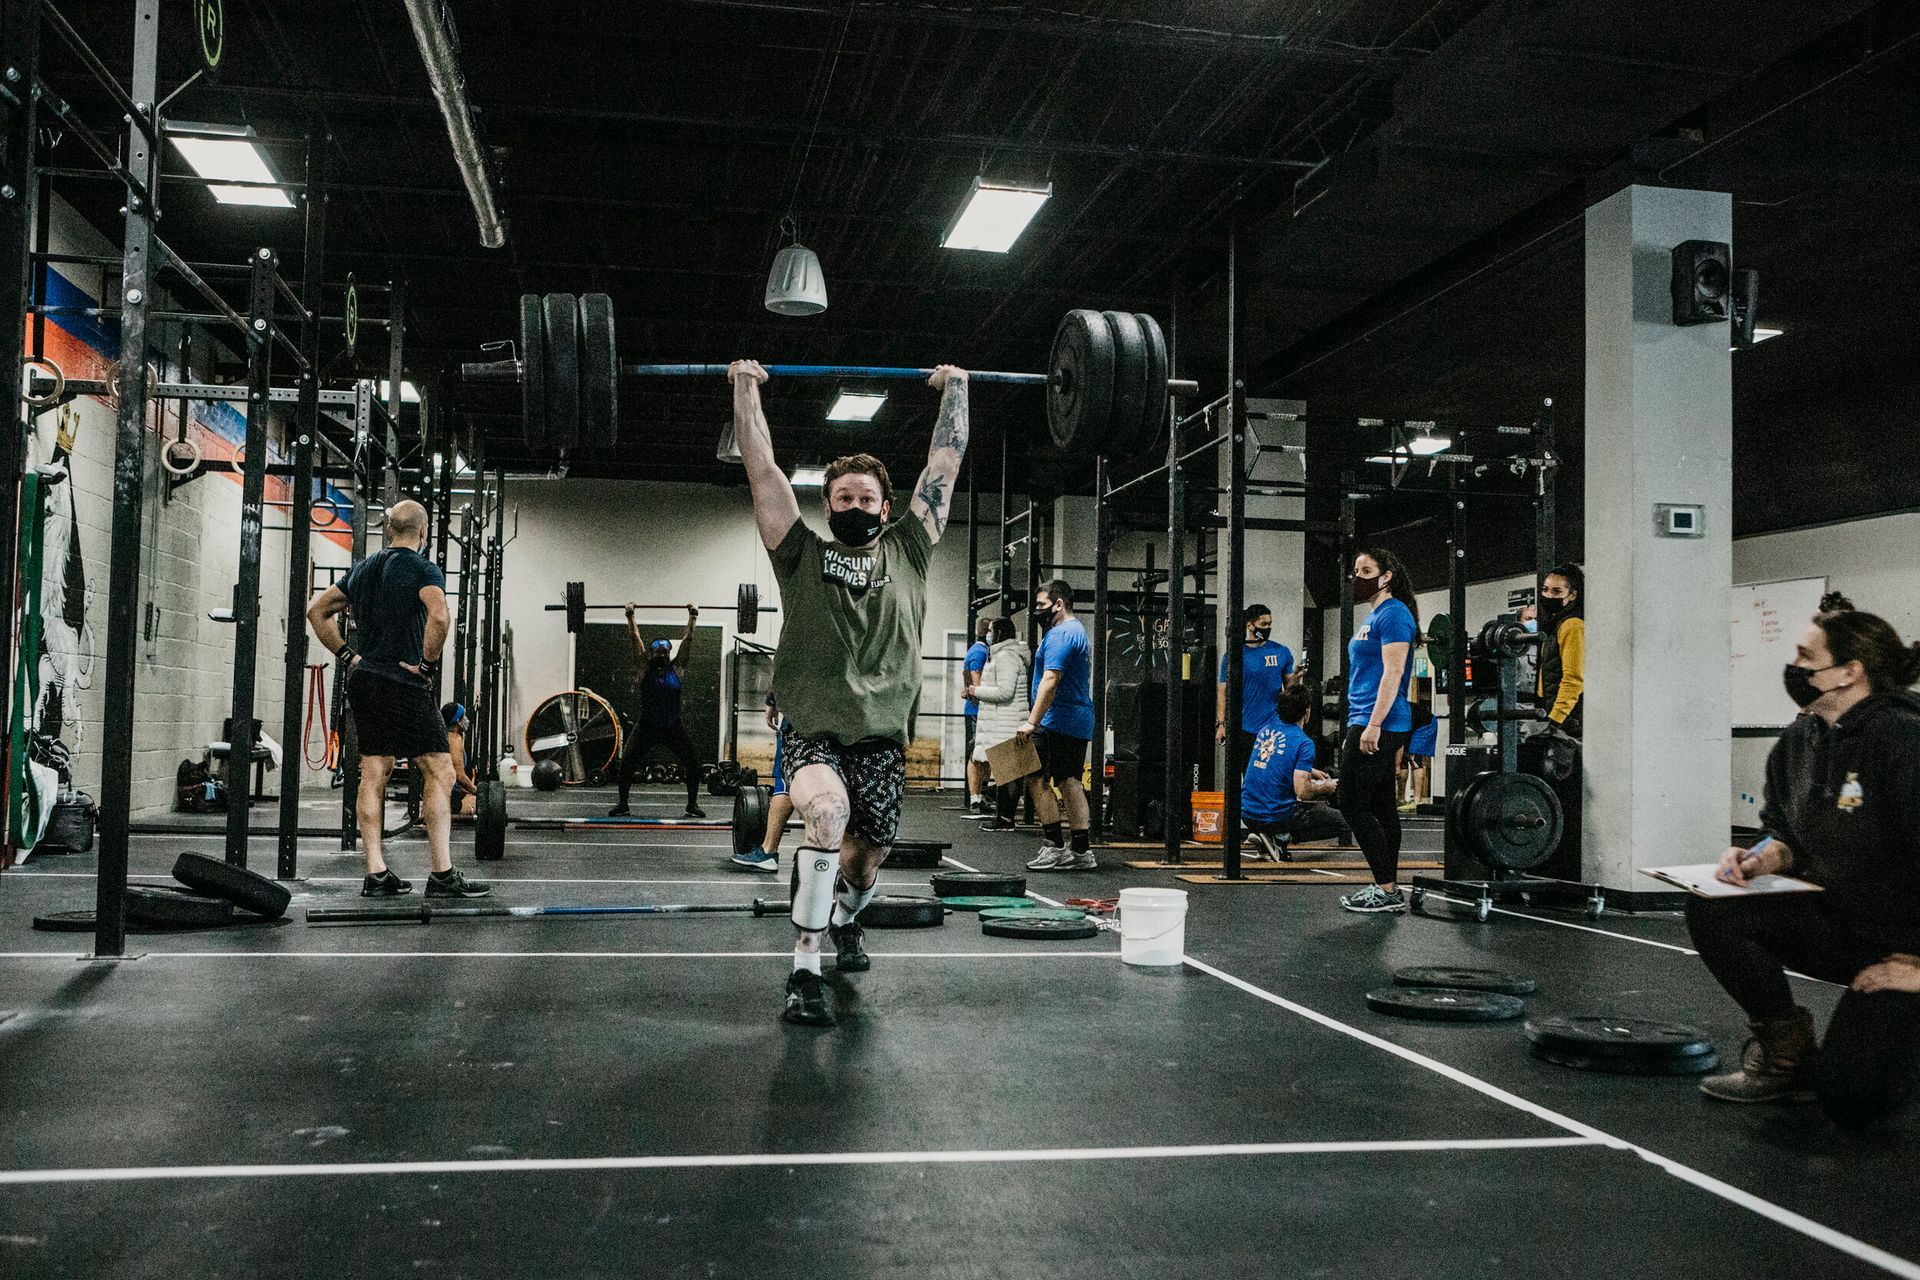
(452, 884)
(694, 811)
(853, 956)
(806, 1000)
(385, 885)
(619, 811)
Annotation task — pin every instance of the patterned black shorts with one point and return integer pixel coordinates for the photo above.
(875, 774)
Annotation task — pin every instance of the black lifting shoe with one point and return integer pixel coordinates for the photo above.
(849, 938)
(385, 885)
(694, 811)
(451, 884)
(806, 1000)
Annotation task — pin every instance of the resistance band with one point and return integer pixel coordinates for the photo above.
(317, 714)
(24, 814)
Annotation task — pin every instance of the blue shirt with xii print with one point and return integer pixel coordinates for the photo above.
(1390, 623)
(1264, 669)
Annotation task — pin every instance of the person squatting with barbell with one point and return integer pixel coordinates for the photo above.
(847, 667)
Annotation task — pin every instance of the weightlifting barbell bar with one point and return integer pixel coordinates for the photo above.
(746, 605)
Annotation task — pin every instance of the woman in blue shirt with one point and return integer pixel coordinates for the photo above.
(1379, 723)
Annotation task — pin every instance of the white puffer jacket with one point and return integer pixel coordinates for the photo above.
(1004, 693)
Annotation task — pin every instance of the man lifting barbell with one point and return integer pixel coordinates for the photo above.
(662, 673)
(847, 668)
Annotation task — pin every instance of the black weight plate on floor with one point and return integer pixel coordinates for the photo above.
(176, 908)
(246, 889)
(65, 922)
(963, 884)
(1154, 421)
(533, 370)
(1009, 925)
(912, 857)
(562, 334)
(1431, 1004)
(1513, 821)
(490, 822)
(1697, 1064)
(599, 375)
(749, 818)
(1453, 978)
(1080, 396)
(1129, 388)
(1599, 1034)
(891, 911)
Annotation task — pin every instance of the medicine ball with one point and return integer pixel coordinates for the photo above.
(547, 776)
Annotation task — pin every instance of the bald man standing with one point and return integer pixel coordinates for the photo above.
(398, 600)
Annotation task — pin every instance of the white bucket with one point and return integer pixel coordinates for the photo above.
(513, 775)
(1153, 926)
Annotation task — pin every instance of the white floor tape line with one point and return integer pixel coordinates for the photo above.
(1849, 1245)
(25, 1177)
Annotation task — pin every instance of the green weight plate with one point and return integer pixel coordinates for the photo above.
(1080, 393)
(562, 333)
(533, 371)
(1430, 1004)
(1069, 914)
(982, 902)
(1452, 978)
(1013, 926)
(600, 375)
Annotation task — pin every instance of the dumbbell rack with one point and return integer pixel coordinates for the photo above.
(1523, 807)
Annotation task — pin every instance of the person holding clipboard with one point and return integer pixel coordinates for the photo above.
(1841, 811)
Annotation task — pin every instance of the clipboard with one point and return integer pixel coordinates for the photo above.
(1702, 881)
(1013, 759)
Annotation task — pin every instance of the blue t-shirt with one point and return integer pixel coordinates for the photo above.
(1264, 670)
(389, 618)
(976, 661)
(1266, 793)
(660, 697)
(1391, 623)
(1065, 649)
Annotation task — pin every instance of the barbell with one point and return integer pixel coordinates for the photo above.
(746, 605)
(1107, 384)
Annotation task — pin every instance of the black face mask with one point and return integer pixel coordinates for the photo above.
(1552, 610)
(1364, 589)
(854, 527)
(1800, 686)
(1258, 635)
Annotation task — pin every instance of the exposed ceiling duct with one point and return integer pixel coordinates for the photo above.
(433, 29)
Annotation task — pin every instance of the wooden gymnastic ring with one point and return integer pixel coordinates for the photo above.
(59, 381)
(168, 455)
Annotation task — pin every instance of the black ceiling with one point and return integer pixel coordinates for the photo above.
(1407, 177)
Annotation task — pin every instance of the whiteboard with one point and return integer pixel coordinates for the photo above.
(1768, 621)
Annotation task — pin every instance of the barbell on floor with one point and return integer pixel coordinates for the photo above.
(746, 605)
(1107, 385)
(427, 913)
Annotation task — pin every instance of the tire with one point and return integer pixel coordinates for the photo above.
(248, 890)
(176, 908)
(978, 884)
(890, 911)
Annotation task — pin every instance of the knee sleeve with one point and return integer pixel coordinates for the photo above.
(849, 901)
(814, 871)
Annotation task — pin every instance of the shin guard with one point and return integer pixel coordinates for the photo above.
(814, 871)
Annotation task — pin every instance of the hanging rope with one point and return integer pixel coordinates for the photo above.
(317, 716)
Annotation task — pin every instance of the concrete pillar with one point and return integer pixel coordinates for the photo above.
(1658, 431)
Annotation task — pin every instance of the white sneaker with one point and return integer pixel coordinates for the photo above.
(1050, 859)
(1078, 862)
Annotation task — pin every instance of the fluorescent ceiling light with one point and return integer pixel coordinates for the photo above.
(994, 215)
(409, 394)
(1424, 446)
(856, 406)
(1386, 460)
(217, 151)
(809, 477)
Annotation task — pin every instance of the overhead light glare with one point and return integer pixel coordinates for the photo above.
(856, 406)
(1761, 335)
(409, 394)
(218, 152)
(809, 477)
(1425, 446)
(994, 215)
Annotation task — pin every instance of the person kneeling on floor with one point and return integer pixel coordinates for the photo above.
(1279, 794)
(1842, 810)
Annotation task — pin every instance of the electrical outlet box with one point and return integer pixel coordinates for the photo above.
(1675, 520)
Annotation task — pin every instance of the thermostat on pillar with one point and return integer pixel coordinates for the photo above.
(1680, 522)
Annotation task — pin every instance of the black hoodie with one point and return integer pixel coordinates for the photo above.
(1846, 799)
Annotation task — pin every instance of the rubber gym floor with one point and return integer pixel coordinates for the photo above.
(616, 1096)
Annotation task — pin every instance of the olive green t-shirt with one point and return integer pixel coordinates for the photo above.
(848, 663)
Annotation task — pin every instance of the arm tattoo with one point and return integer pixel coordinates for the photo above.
(932, 495)
(950, 429)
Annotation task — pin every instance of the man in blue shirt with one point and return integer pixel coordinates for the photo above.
(969, 680)
(1266, 668)
(1061, 726)
(662, 675)
(1278, 796)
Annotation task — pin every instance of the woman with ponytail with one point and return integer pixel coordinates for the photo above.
(1842, 810)
(1379, 723)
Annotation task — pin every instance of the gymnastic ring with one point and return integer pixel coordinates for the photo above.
(333, 514)
(59, 381)
(238, 461)
(168, 456)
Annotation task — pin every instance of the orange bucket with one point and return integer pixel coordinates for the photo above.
(1209, 816)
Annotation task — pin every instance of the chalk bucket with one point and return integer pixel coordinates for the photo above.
(1153, 926)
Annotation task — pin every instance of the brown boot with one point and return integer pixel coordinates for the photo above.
(1777, 1065)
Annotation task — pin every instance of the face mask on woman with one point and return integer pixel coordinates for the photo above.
(1800, 685)
(1365, 589)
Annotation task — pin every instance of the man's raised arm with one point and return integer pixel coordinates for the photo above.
(933, 492)
(774, 507)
